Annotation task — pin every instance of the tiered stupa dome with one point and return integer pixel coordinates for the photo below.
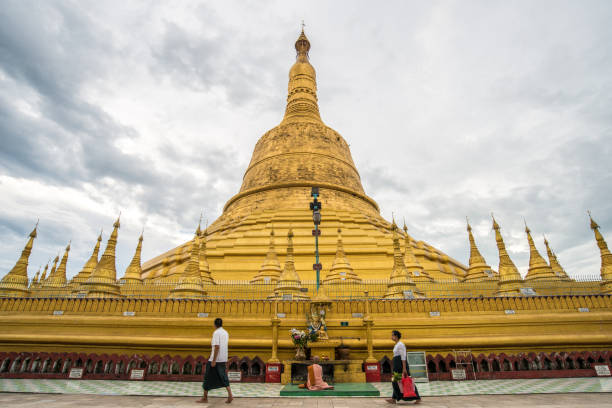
(288, 160)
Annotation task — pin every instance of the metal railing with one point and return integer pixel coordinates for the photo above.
(244, 290)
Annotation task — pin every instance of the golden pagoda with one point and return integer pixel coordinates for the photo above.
(190, 282)
(300, 153)
(478, 269)
(538, 268)
(606, 259)
(401, 285)
(160, 314)
(270, 271)
(289, 286)
(103, 280)
(15, 283)
(554, 263)
(413, 266)
(57, 278)
(341, 270)
(134, 270)
(205, 273)
(88, 268)
(510, 281)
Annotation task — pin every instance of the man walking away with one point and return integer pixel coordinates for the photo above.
(216, 373)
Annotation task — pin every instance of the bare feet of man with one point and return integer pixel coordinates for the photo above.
(202, 400)
(229, 400)
(390, 401)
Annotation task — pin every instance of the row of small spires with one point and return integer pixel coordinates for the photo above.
(99, 277)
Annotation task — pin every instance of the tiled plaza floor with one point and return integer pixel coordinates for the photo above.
(178, 389)
(599, 400)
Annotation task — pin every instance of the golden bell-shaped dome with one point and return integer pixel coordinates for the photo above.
(299, 153)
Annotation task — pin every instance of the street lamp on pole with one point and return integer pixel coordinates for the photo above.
(315, 206)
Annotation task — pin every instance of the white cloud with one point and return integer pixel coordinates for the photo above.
(475, 106)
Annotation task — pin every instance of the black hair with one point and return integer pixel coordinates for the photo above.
(218, 322)
(397, 334)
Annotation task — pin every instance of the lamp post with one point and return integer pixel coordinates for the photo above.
(315, 206)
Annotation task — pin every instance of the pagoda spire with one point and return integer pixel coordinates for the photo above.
(478, 270)
(538, 267)
(43, 277)
(36, 277)
(57, 278)
(102, 282)
(414, 267)
(204, 267)
(341, 270)
(554, 263)
(52, 272)
(15, 282)
(302, 103)
(270, 270)
(400, 285)
(88, 268)
(606, 258)
(190, 281)
(289, 284)
(510, 281)
(134, 270)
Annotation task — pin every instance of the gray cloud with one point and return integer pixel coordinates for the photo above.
(450, 109)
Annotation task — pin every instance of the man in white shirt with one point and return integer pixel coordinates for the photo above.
(216, 373)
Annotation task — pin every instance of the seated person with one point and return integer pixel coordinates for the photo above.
(315, 377)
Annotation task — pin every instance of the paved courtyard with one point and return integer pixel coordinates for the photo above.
(472, 401)
(549, 393)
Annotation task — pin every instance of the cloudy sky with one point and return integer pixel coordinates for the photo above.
(451, 108)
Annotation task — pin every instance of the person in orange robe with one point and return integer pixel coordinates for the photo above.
(315, 377)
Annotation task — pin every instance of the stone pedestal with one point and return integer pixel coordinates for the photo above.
(324, 349)
(349, 373)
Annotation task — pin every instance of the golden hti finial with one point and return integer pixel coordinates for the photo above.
(594, 225)
(198, 230)
(302, 103)
(495, 224)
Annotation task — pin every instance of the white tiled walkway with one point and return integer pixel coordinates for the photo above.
(438, 388)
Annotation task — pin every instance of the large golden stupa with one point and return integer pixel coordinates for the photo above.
(298, 154)
(254, 267)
